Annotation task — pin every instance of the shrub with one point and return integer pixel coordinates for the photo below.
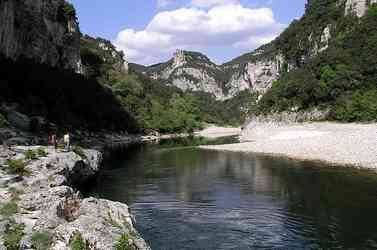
(124, 243)
(17, 167)
(42, 152)
(31, 155)
(13, 235)
(79, 151)
(3, 121)
(69, 10)
(78, 243)
(360, 106)
(9, 209)
(41, 240)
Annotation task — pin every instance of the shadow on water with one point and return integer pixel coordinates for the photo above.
(197, 199)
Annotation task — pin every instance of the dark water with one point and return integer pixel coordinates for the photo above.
(187, 198)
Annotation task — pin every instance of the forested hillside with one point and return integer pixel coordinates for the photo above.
(155, 104)
(342, 78)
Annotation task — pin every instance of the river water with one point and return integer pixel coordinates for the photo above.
(188, 198)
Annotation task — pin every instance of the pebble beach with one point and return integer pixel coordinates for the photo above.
(333, 143)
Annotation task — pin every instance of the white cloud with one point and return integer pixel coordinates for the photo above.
(230, 25)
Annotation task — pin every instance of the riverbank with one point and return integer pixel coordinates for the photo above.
(334, 143)
(39, 205)
(216, 132)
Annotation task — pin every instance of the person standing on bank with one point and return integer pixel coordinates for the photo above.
(66, 139)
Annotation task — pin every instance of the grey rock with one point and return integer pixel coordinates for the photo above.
(55, 37)
(101, 223)
(18, 120)
(46, 204)
(44, 199)
(6, 133)
(358, 7)
(18, 141)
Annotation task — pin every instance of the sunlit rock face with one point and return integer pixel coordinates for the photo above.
(256, 76)
(40, 30)
(193, 71)
(358, 7)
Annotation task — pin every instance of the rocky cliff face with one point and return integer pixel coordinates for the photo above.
(46, 31)
(255, 74)
(190, 71)
(193, 71)
(358, 7)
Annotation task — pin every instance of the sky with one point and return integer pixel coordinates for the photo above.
(149, 31)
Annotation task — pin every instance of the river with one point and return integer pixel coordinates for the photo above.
(189, 198)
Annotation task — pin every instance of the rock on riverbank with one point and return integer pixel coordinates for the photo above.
(42, 207)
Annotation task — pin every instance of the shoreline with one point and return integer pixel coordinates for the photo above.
(213, 132)
(349, 145)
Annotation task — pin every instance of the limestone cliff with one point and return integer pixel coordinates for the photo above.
(190, 71)
(358, 7)
(45, 31)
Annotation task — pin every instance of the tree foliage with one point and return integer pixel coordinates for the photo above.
(342, 79)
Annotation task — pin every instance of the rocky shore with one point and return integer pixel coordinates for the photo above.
(40, 209)
(333, 143)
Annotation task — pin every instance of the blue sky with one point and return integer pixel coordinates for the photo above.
(150, 30)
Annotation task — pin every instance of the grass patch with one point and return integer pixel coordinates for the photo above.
(31, 155)
(36, 154)
(77, 242)
(51, 178)
(41, 240)
(42, 152)
(112, 222)
(125, 243)
(9, 209)
(13, 235)
(80, 151)
(17, 167)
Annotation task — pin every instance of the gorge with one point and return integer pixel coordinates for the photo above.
(184, 193)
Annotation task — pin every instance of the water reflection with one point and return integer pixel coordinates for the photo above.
(186, 198)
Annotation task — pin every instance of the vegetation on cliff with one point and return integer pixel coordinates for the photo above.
(342, 78)
(154, 104)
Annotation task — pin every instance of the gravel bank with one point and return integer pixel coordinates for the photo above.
(334, 143)
(216, 132)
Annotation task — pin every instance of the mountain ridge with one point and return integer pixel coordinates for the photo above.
(257, 70)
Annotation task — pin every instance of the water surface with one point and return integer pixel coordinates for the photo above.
(189, 198)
